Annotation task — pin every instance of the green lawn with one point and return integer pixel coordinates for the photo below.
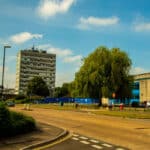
(125, 114)
(139, 113)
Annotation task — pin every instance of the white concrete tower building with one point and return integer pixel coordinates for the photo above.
(31, 63)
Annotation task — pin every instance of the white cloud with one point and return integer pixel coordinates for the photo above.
(142, 27)
(24, 36)
(73, 59)
(49, 8)
(138, 70)
(58, 51)
(86, 23)
(66, 55)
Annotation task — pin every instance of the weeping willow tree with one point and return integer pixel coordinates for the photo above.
(104, 71)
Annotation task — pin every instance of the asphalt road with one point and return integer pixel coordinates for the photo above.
(131, 133)
(79, 142)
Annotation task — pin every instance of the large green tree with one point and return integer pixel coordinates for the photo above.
(37, 86)
(120, 79)
(105, 71)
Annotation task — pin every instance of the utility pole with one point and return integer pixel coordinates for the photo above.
(3, 70)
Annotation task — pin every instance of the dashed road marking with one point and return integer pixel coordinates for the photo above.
(107, 145)
(84, 138)
(97, 146)
(75, 135)
(74, 138)
(84, 142)
(94, 141)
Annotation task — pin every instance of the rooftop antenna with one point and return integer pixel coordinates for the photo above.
(33, 48)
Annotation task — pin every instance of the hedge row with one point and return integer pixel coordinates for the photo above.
(13, 123)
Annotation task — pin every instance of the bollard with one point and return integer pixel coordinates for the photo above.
(121, 106)
(28, 106)
(24, 106)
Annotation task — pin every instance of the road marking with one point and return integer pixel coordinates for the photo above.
(75, 135)
(97, 146)
(107, 145)
(119, 149)
(84, 138)
(94, 141)
(84, 142)
(74, 138)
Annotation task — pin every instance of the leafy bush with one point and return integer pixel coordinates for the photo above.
(13, 123)
(5, 121)
(21, 123)
(20, 97)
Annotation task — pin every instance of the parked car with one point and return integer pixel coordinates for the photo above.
(10, 104)
(148, 104)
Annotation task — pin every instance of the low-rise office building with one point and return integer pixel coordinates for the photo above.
(144, 86)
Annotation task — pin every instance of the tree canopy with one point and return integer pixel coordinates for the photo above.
(104, 71)
(37, 86)
(62, 91)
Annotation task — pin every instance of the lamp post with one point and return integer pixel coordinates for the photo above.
(6, 46)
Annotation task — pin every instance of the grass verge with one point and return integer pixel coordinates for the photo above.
(138, 113)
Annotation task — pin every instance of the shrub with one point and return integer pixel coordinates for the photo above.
(20, 97)
(13, 123)
(5, 121)
(21, 123)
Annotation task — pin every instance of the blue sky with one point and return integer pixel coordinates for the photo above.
(72, 29)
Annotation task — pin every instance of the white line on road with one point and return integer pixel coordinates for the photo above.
(74, 138)
(84, 142)
(75, 135)
(84, 138)
(107, 145)
(97, 146)
(94, 141)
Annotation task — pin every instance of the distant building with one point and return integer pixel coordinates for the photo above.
(144, 86)
(140, 91)
(31, 63)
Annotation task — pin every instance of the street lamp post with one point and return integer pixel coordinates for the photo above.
(2, 87)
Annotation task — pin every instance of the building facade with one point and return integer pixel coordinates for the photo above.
(31, 63)
(144, 86)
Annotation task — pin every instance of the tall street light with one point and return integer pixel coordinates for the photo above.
(6, 46)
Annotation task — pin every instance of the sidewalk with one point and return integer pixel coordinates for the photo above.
(45, 132)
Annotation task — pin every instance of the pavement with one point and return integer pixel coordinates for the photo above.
(45, 134)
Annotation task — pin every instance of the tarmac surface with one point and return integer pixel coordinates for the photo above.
(80, 142)
(131, 133)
